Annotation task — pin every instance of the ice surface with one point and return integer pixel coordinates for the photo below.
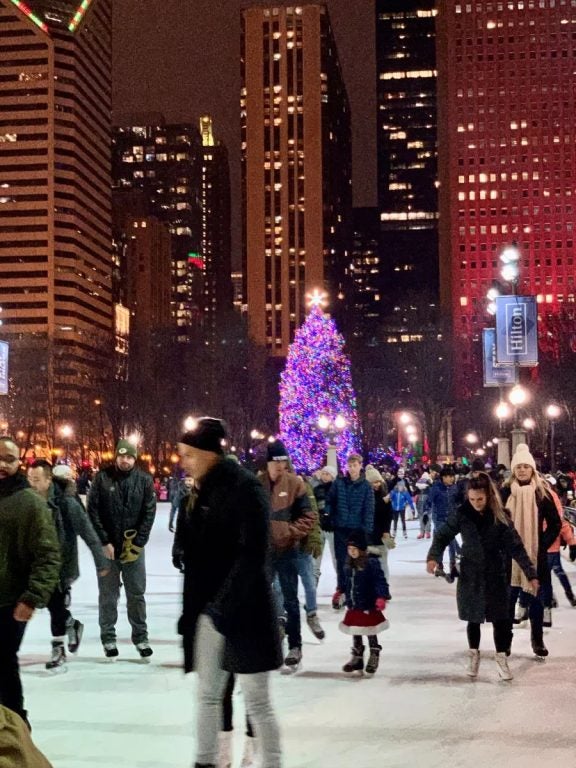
(419, 710)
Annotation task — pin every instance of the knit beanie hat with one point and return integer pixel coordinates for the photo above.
(477, 465)
(63, 471)
(435, 468)
(126, 448)
(277, 451)
(207, 435)
(372, 474)
(358, 539)
(331, 470)
(522, 455)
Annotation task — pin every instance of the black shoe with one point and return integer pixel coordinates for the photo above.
(572, 601)
(74, 632)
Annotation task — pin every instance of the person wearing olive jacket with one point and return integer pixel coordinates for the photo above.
(489, 542)
(122, 508)
(29, 567)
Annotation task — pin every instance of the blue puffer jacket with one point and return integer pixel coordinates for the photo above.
(441, 499)
(350, 504)
(400, 499)
(365, 585)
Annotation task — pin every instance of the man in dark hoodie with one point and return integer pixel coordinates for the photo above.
(29, 567)
(122, 508)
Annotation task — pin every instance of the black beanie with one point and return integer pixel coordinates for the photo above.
(207, 435)
(478, 466)
(277, 451)
(358, 539)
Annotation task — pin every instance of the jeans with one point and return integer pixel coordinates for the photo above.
(327, 536)
(285, 565)
(423, 517)
(555, 564)
(60, 616)
(341, 536)
(305, 565)
(134, 580)
(212, 682)
(11, 634)
(502, 635)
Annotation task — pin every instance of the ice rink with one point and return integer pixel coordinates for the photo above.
(420, 710)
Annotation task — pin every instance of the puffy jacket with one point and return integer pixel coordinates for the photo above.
(350, 504)
(566, 532)
(365, 584)
(441, 501)
(400, 500)
(119, 501)
(291, 517)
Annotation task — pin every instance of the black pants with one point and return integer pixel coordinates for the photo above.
(59, 613)
(359, 643)
(502, 635)
(227, 709)
(401, 513)
(11, 634)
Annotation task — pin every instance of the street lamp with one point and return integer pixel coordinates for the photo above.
(553, 412)
(529, 423)
(190, 423)
(66, 432)
(471, 438)
(332, 428)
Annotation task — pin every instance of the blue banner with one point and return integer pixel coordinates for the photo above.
(517, 330)
(4, 347)
(495, 375)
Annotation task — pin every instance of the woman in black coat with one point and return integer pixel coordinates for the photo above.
(489, 541)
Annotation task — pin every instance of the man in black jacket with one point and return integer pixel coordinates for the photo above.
(122, 507)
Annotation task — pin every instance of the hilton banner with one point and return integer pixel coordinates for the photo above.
(517, 330)
(495, 375)
(3, 368)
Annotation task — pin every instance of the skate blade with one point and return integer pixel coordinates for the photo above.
(288, 671)
(540, 658)
(57, 670)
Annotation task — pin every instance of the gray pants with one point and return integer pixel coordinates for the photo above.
(327, 536)
(134, 580)
(212, 681)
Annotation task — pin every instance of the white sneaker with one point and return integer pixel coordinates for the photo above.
(503, 668)
(249, 758)
(473, 662)
(225, 756)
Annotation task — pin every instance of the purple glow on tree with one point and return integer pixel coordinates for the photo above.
(317, 382)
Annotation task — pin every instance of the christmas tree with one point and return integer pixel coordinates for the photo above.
(316, 382)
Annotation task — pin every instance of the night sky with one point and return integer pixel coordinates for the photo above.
(182, 58)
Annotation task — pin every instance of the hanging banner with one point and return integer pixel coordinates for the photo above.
(4, 347)
(495, 375)
(517, 330)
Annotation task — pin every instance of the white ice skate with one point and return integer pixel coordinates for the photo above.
(292, 661)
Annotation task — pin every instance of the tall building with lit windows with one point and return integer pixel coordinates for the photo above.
(55, 214)
(407, 145)
(507, 165)
(297, 169)
(366, 271)
(164, 162)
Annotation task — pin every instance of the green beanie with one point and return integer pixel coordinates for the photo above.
(126, 448)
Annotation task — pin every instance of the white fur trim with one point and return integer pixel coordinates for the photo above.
(375, 630)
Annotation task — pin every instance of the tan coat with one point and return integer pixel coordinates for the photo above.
(16, 747)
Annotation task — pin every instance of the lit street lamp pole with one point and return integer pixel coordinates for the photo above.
(553, 412)
(332, 428)
(518, 396)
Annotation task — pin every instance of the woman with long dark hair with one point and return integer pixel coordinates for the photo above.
(489, 541)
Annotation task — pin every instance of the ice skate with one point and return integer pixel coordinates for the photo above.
(225, 755)
(292, 661)
(473, 662)
(520, 614)
(74, 630)
(427, 535)
(420, 536)
(315, 626)
(356, 663)
(58, 661)
(373, 660)
(547, 619)
(454, 572)
(249, 757)
(144, 650)
(337, 600)
(503, 668)
(110, 650)
(540, 650)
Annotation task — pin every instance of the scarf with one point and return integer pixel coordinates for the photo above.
(524, 513)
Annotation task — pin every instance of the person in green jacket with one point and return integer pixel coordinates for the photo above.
(29, 567)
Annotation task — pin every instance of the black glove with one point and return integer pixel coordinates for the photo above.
(572, 552)
(178, 560)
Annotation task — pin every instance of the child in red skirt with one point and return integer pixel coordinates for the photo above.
(366, 595)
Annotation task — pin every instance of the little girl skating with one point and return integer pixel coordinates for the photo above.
(366, 595)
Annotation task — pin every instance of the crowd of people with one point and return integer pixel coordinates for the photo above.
(241, 614)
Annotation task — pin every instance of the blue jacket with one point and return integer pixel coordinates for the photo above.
(441, 499)
(400, 499)
(364, 586)
(350, 504)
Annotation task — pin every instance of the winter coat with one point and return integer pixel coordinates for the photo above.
(566, 536)
(350, 504)
(382, 518)
(312, 544)
(17, 749)
(29, 550)
(119, 501)
(483, 588)
(222, 539)
(291, 517)
(441, 501)
(74, 522)
(321, 491)
(366, 584)
(400, 500)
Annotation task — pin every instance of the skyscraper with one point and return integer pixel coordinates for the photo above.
(296, 163)
(367, 272)
(55, 219)
(407, 145)
(507, 168)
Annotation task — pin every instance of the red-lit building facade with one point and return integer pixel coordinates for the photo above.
(507, 161)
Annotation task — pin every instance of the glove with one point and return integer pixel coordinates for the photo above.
(130, 552)
(572, 552)
(380, 604)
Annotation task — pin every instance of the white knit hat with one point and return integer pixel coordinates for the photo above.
(372, 474)
(522, 455)
(331, 470)
(63, 471)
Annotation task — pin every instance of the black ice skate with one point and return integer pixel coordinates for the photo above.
(110, 650)
(356, 663)
(292, 661)
(144, 650)
(373, 660)
(537, 640)
(74, 630)
(58, 661)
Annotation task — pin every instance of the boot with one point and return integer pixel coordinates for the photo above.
(373, 660)
(547, 619)
(503, 668)
(420, 536)
(570, 595)
(249, 757)
(454, 572)
(337, 600)
(225, 756)
(58, 660)
(537, 640)
(356, 662)
(427, 535)
(315, 626)
(74, 630)
(473, 662)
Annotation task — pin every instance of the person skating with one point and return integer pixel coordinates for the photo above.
(400, 498)
(122, 508)
(534, 515)
(380, 540)
(29, 567)
(180, 490)
(423, 485)
(440, 502)
(228, 621)
(58, 489)
(366, 592)
(326, 476)
(489, 541)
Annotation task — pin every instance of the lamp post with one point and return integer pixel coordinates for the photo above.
(518, 396)
(332, 428)
(553, 412)
(66, 432)
(503, 413)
